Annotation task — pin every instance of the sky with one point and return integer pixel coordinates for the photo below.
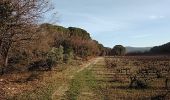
(138, 23)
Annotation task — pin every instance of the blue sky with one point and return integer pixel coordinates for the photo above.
(139, 23)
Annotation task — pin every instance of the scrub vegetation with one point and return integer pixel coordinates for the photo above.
(45, 61)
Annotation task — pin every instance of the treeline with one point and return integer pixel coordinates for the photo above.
(74, 39)
(51, 45)
(24, 42)
(157, 50)
(163, 49)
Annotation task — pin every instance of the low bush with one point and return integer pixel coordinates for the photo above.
(40, 65)
(138, 84)
(68, 57)
(55, 55)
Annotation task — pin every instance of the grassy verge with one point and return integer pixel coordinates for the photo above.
(38, 94)
(82, 81)
(43, 92)
(50, 81)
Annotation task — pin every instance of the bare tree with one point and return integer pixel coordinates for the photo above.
(18, 22)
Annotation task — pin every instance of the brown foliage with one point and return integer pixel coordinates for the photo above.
(18, 23)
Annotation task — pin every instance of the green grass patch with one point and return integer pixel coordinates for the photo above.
(84, 79)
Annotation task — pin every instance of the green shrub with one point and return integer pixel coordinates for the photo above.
(68, 58)
(55, 55)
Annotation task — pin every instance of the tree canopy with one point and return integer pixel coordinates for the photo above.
(118, 50)
(18, 22)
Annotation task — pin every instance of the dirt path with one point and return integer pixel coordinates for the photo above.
(58, 94)
(88, 65)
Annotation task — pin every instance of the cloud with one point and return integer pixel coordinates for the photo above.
(153, 17)
(90, 22)
(127, 22)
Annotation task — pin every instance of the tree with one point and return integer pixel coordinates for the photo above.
(18, 20)
(79, 32)
(77, 39)
(119, 50)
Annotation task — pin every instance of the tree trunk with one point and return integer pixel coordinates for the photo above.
(4, 49)
(4, 65)
(6, 61)
(166, 83)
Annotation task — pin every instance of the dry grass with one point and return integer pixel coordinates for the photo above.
(38, 84)
(97, 82)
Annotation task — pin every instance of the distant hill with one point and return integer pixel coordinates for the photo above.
(162, 49)
(137, 49)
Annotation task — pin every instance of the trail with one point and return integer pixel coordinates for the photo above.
(58, 94)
